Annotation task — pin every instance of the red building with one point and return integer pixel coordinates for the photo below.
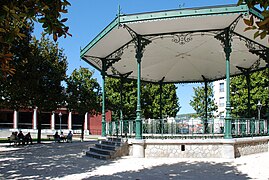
(95, 123)
(60, 119)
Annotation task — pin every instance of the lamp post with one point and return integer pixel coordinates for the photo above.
(259, 105)
(60, 116)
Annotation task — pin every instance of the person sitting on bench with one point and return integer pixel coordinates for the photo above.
(62, 137)
(69, 136)
(28, 138)
(13, 138)
(56, 137)
(21, 138)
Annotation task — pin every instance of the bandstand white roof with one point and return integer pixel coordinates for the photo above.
(183, 45)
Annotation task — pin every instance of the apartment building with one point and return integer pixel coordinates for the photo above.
(220, 98)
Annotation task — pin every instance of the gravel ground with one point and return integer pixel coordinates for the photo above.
(68, 161)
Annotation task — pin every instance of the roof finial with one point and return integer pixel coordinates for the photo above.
(119, 13)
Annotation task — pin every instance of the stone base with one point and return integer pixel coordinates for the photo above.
(138, 148)
(198, 148)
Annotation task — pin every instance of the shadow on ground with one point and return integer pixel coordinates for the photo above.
(46, 161)
(182, 170)
(58, 160)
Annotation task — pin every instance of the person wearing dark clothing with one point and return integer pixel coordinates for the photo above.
(69, 137)
(21, 137)
(56, 137)
(28, 138)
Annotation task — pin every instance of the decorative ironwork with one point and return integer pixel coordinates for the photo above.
(116, 55)
(261, 51)
(226, 36)
(108, 63)
(130, 31)
(182, 39)
(256, 64)
(96, 60)
(263, 54)
(139, 41)
(114, 71)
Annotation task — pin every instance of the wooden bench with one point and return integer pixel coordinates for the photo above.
(76, 135)
(50, 136)
(13, 141)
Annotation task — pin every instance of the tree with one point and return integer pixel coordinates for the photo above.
(15, 16)
(199, 104)
(261, 25)
(129, 97)
(37, 83)
(259, 91)
(83, 92)
(150, 98)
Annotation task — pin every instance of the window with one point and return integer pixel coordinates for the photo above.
(221, 87)
(221, 102)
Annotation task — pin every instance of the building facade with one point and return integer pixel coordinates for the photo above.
(59, 120)
(220, 98)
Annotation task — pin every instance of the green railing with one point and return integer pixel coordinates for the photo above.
(191, 128)
(162, 128)
(242, 127)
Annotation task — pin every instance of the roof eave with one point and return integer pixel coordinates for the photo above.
(164, 15)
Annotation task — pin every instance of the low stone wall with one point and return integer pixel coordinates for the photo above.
(198, 148)
(246, 146)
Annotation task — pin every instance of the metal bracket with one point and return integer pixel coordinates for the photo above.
(263, 54)
(108, 63)
(95, 59)
(125, 75)
(226, 36)
(245, 71)
(204, 78)
(261, 51)
(139, 41)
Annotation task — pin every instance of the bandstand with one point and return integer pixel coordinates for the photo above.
(184, 46)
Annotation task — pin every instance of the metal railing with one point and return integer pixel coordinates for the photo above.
(243, 127)
(191, 128)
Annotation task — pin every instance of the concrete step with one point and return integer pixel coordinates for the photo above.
(98, 156)
(105, 146)
(111, 143)
(115, 139)
(106, 149)
(101, 151)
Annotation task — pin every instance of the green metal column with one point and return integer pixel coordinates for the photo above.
(161, 108)
(227, 50)
(103, 99)
(248, 85)
(206, 104)
(121, 114)
(138, 121)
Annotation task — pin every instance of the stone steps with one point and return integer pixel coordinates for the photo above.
(110, 148)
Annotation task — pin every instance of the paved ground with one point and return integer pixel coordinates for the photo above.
(68, 161)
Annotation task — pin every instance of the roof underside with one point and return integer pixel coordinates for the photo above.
(183, 45)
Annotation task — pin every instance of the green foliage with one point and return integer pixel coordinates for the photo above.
(41, 68)
(259, 90)
(15, 16)
(261, 26)
(199, 104)
(83, 92)
(129, 97)
(150, 98)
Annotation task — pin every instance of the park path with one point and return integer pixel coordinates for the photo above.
(68, 161)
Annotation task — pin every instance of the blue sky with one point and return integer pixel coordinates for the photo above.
(86, 18)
